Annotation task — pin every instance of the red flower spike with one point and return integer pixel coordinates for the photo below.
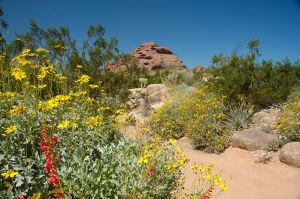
(50, 154)
(58, 195)
(43, 135)
(54, 138)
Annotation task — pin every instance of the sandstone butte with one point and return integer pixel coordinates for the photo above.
(151, 56)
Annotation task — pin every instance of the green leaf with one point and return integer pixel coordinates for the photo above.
(76, 159)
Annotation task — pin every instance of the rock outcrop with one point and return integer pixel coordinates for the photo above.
(252, 139)
(151, 56)
(153, 95)
(290, 154)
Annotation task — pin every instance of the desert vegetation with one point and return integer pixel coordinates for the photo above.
(62, 117)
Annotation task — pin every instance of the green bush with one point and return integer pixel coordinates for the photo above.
(262, 84)
(295, 94)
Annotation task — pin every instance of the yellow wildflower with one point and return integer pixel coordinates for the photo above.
(10, 129)
(218, 180)
(224, 187)
(17, 110)
(83, 79)
(41, 50)
(78, 66)
(93, 121)
(178, 150)
(35, 196)
(171, 168)
(90, 100)
(41, 86)
(73, 125)
(201, 168)
(181, 161)
(44, 70)
(210, 166)
(18, 74)
(146, 130)
(9, 174)
(207, 176)
(60, 77)
(64, 124)
(93, 86)
(26, 51)
(143, 160)
(173, 141)
(194, 197)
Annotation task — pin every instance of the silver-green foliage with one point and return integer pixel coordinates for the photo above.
(237, 116)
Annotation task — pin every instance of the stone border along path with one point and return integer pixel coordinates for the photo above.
(246, 178)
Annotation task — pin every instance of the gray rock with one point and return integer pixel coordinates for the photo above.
(252, 139)
(266, 118)
(290, 154)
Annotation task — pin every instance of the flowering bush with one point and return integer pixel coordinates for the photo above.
(169, 121)
(289, 122)
(199, 114)
(59, 142)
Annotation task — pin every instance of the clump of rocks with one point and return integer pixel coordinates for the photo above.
(262, 133)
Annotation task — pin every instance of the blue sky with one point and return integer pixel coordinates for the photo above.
(194, 29)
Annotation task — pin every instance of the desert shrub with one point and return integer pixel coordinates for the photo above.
(61, 144)
(295, 94)
(186, 77)
(237, 115)
(289, 122)
(169, 120)
(135, 171)
(198, 114)
(204, 120)
(263, 84)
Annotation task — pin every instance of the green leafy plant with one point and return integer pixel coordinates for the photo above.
(237, 115)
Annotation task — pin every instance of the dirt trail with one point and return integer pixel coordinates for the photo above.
(247, 179)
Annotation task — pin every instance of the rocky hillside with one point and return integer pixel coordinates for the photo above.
(151, 56)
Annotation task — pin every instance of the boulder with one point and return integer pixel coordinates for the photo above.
(290, 154)
(156, 93)
(252, 139)
(266, 118)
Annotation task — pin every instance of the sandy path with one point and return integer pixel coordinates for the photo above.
(247, 179)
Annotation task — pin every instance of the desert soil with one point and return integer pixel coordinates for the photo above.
(246, 178)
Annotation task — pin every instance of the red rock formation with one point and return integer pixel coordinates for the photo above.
(150, 55)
